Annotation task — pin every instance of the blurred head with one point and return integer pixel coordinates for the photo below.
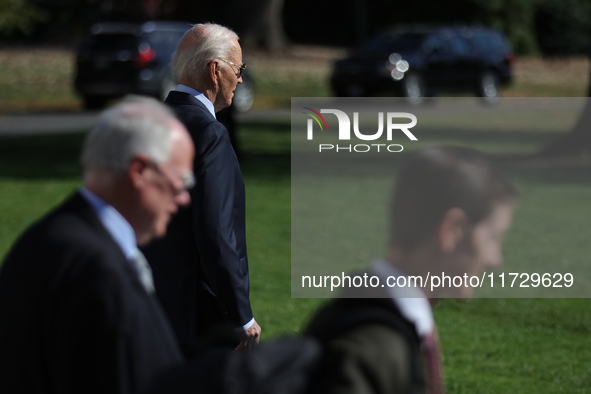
(139, 158)
(451, 200)
(209, 54)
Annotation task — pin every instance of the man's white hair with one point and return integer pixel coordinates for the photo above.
(138, 125)
(200, 45)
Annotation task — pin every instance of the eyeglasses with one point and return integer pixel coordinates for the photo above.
(187, 178)
(241, 68)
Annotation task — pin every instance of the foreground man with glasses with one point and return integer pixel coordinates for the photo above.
(201, 267)
(78, 312)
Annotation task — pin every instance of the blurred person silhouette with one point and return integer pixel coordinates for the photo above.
(201, 267)
(449, 213)
(78, 312)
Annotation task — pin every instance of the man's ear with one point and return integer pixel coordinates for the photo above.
(451, 230)
(136, 172)
(213, 68)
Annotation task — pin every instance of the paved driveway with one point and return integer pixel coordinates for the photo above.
(42, 123)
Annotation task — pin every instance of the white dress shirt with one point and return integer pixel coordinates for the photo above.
(410, 301)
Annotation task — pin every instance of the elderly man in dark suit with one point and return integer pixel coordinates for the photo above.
(201, 267)
(77, 309)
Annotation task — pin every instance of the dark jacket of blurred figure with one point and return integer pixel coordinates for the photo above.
(77, 312)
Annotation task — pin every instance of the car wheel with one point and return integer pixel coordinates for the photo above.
(95, 102)
(243, 96)
(413, 88)
(488, 87)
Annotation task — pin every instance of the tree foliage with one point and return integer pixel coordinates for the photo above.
(563, 27)
(19, 16)
(532, 26)
(513, 17)
(552, 27)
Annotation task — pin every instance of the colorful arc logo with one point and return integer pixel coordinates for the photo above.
(315, 118)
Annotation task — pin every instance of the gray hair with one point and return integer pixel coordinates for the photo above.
(200, 45)
(138, 125)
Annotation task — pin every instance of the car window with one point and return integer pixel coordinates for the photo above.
(434, 43)
(164, 42)
(393, 43)
(487, 44)
(110, 42)
(458, 46)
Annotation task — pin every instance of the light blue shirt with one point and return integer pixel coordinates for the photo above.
(199, 96)
(123, 234)
(114, 223)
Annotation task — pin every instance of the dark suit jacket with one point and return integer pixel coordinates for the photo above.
(201, 266)
(74, 317)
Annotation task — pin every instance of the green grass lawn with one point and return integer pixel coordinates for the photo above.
(490, 345)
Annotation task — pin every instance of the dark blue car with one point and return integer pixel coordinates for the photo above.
(423, 61)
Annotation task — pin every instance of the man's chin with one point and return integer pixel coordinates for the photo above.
(149, 237)
(160, 232)
(144, 239)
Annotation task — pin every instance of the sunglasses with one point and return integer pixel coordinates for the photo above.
(241, 67)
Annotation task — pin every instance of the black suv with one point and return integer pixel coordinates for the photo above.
(120, 58)
(422, 61)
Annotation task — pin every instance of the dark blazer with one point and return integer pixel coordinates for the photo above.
(201, 266)
(74, 317)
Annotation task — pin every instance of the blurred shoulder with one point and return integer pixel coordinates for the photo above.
(69, 237)
(371, 358)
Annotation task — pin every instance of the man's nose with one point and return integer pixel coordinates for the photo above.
(183, 198)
